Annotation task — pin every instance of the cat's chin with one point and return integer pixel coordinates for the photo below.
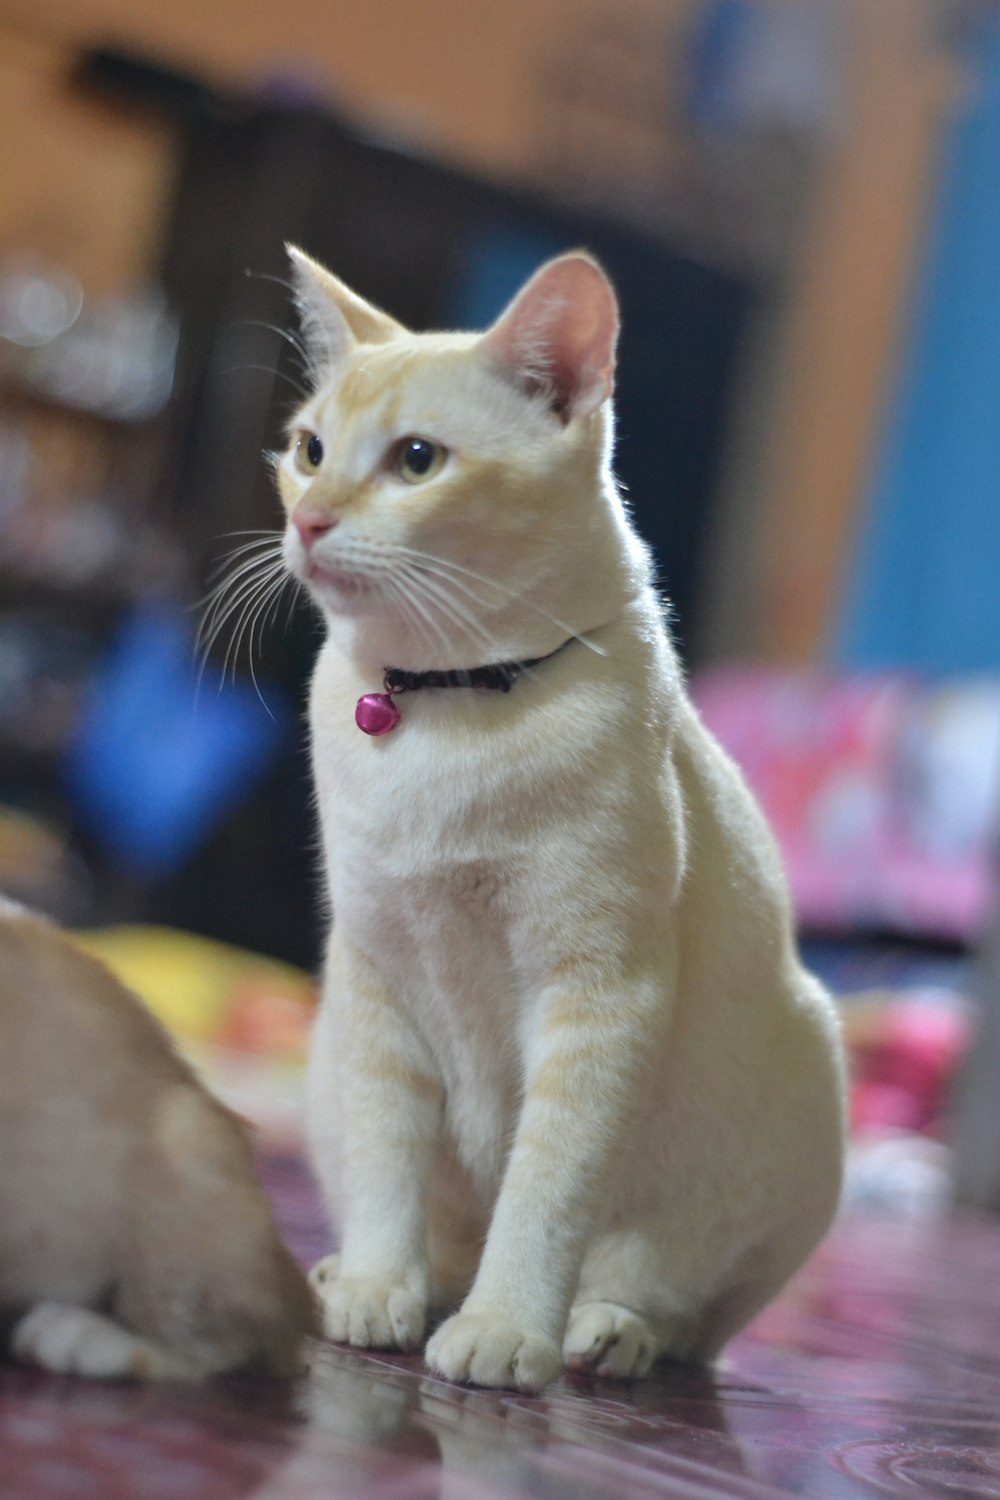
(341, 593)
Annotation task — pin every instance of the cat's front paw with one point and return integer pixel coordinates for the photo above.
(367, 1312)
(486, 1349)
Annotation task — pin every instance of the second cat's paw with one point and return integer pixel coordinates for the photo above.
(71, 1340)
(484, 1349)
(367, 1312)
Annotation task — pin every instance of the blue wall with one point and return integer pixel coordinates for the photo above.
(925, 590)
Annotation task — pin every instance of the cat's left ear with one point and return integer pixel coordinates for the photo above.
(558, 336)
(334, 319)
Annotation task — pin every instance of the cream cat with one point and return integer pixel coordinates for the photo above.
(569, 1077)
(134, 1239)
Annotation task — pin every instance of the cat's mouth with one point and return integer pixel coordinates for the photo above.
(345, 584)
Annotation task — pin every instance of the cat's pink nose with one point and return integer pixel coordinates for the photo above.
(311, 522)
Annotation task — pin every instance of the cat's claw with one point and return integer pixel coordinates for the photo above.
(324, 1271)
(487, 1350)
(367, 1313)
(609, 1340)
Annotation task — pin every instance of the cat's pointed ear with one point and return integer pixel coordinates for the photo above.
(558, 336)
(334, 319)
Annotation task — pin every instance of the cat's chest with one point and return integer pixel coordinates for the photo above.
(469, 812)
(458, 786)
(425, 875)
(414, 812)
(421, 876)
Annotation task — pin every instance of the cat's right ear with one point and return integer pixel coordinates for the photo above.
(334, 319)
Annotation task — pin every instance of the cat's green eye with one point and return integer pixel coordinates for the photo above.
(308, 452)
(417, 459)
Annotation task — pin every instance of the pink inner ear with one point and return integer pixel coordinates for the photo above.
(559, 334)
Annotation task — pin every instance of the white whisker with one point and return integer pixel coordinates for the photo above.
(283, 333)
(238, 607)
(420, 608)
(271, 615)
(227, 594)
(266, 543)
(267, 601)
(458, 570)
(296, 385)
(251, 608)
(439, 568)
(398, 593)
(243, 592)
(257, 531)
(281, 281)
(262, 548)
(437, 596)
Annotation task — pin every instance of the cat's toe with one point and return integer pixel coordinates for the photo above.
(370, 1314)
(325, 1270)
(610, 1340)
(490, 1351)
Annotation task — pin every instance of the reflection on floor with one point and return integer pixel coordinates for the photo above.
(877, 1373)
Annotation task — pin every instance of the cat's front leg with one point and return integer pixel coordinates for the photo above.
(586, 1065)
(375, 1110)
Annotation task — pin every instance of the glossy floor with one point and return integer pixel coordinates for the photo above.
(877, 1373)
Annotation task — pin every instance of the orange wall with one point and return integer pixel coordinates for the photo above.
(84, 184)
(462, 74)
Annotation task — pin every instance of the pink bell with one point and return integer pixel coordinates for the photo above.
(376, 713)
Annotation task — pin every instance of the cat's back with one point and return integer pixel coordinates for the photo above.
(63, 1014)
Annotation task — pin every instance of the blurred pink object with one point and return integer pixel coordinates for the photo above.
(883, 791)
(904, 1069)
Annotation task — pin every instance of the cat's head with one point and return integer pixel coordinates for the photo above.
(447, 495)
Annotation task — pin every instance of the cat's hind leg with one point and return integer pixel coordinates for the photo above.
(762, 1275)
(637, 1302)
(610, 1340)
(69, 1340)
(631, 1306)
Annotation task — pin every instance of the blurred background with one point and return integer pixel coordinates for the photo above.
(799, 201)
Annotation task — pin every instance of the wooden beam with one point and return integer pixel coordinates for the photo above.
(848, 312)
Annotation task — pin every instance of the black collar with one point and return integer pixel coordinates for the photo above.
(500, 676)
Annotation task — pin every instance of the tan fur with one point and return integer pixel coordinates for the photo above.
(134, 1238)
(567, 1066)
